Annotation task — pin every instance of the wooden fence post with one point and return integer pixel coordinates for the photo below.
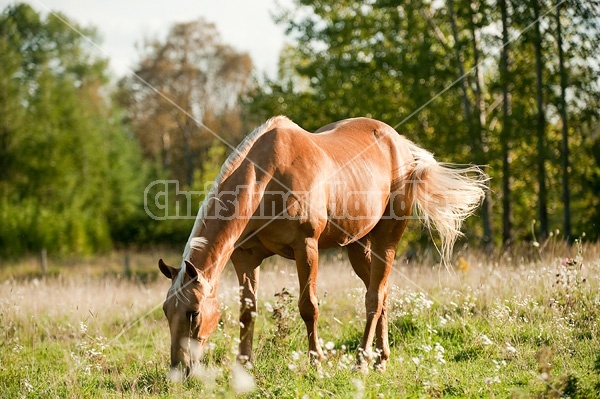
(44, 261)
(127, 265)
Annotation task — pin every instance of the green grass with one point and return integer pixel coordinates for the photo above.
(506, 326)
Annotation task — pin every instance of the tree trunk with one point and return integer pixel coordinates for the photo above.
(474, 128)
(541, 126)
(166, 149)
(506, 133)
(187, 131)
(187, 127)
(461, 71)
(479, 132)
(565, 128)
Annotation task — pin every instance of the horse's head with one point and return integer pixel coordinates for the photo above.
(192, 310)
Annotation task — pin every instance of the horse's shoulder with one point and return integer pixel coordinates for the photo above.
(283, 122)
(281, 140)
(283, 131)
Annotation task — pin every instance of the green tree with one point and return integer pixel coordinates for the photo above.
(384, 59)
(536, 6)
(430, 67)
(506, 133)
(71, 176)
(475, 110)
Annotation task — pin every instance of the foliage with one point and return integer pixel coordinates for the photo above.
(77, 153)
(181, 99)
(399, 62)
(181, 104)
(71, 175)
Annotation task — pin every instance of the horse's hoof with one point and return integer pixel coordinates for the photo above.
(243, 359)
(380, 366)
(315, 358)
(361, 367)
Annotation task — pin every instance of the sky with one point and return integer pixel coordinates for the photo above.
(246, 25)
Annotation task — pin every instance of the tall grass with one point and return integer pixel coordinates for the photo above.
(522, 324)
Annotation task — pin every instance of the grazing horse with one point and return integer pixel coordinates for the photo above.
(289, 192)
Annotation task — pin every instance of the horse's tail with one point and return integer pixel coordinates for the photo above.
(445, 195)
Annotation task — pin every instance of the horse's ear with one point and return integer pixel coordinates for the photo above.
(168, 271)
(191, 270)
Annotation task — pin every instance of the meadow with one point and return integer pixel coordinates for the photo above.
(521, 325)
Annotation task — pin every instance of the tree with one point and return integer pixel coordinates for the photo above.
(401, 61)
(475, 121)
(505, 136)
(180, 84)
(384, 60)
(541, 121)
(71, 176)
(566, 196)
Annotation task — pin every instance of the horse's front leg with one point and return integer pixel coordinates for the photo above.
(247, 274)
(307, 263)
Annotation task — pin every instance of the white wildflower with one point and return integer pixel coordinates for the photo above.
(485, 340)
(241, 381)
(360, 388)
(510, 350)
(492, 380)
(175, 375)
(207, 374)
(268, 307)
(27, 385)
(439, 353)
(210, 346)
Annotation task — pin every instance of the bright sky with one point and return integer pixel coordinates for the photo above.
(246, 25)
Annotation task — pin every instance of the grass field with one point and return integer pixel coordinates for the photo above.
(523, 326)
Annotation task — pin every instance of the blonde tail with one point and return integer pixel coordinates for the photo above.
(445, 195)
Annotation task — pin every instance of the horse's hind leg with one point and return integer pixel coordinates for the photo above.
(373, 266)
(246, 265)
(359, 254)
(379, 258)
(376, 306)
(307, 263)
(382, 336)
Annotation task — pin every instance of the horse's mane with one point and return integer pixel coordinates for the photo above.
(231, 164)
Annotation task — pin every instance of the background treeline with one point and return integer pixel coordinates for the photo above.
(509, 84)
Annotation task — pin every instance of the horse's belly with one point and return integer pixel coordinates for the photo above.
(352, 214)
(341, 232)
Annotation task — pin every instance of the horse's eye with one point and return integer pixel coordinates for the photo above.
(192, 314)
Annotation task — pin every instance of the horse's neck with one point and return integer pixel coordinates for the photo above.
(227, 215)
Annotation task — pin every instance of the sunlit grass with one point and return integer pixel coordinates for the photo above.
(523, 324)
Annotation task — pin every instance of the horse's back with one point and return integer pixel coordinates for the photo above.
(366, 144)
(348, 168)
(358, 151)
